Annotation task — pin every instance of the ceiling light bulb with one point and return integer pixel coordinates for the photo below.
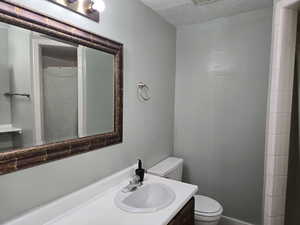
(99, 5)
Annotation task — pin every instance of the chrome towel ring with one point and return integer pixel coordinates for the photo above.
(143, 91)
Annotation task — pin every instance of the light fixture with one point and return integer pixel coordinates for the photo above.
(88, 8)
(98, 5)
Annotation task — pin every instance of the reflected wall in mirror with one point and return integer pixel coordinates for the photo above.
(52, 90)
(61, 89)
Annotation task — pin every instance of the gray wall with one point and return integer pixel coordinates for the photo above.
(99, 96)
(5, 111)
(5, 117)
(148, 128)
(19, 60)
(60, 92)
(220, 108)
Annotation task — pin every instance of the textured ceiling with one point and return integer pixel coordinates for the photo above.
(184, 12)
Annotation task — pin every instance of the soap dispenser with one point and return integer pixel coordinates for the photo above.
(140, 171)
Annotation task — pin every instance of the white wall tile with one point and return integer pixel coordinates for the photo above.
(275, 206)
(281, 165)
(266, 220)
(274, 79)
(276, 185)
(269, 185)
(268, 206)
(278, 206)
(281, 102)
(284, 61)
(278, 144)
(270, 166)
(278, 220)
(280, 123)
(284, 82)
(279, 185)
(272, 123)
(277, 165)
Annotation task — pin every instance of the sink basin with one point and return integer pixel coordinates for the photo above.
(148, 198)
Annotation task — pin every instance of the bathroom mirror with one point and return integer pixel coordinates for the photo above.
(60, 89)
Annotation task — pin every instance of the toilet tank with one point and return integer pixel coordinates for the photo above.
(169, 168)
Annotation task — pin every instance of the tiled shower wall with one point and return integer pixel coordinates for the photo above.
(279, 114)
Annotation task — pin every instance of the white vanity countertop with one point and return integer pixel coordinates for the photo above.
(99, 208)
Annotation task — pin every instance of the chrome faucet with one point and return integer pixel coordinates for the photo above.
(134, 183)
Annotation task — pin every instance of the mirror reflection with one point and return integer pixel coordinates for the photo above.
(52, 90)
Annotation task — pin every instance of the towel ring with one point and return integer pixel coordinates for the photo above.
(143, 91)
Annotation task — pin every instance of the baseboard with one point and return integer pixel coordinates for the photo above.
(232, 221)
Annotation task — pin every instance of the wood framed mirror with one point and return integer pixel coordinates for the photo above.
(61, 93)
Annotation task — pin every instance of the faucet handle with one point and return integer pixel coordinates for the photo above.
(135, 179)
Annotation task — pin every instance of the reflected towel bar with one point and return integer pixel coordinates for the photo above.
(9, 94)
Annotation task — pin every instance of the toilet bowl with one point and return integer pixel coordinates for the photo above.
(207, 210)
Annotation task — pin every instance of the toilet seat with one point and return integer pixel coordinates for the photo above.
(207, 208)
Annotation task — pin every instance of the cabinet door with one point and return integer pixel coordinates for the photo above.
(186, 215)
(174, 222)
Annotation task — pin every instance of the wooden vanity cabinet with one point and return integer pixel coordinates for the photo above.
(186, 215)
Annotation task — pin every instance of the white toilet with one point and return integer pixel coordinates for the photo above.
(207, 211)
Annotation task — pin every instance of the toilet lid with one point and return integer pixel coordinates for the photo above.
(206, 205)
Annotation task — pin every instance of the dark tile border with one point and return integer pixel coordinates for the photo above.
(28, 157)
